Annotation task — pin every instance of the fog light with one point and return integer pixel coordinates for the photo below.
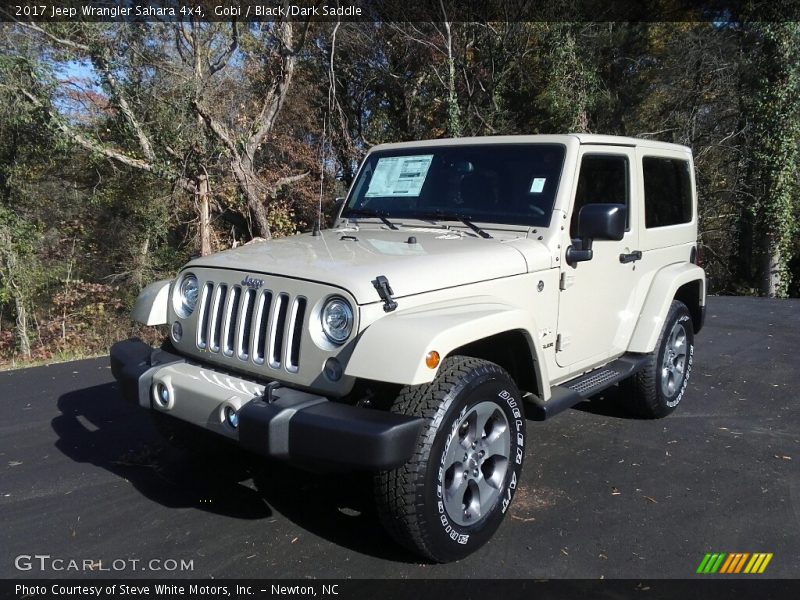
(232, 417)
(162, 394)
(177, 331)
(333, 369)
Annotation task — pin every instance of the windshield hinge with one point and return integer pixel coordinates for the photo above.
(567, 280)
(385, 292)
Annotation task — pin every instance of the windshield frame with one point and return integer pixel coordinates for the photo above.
(356, 197)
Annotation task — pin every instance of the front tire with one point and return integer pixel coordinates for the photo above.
(451, 496)
(656, 390)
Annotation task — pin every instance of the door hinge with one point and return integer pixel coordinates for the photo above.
(567, 280)
(562, 341)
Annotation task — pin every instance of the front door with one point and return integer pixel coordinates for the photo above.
(596, 316)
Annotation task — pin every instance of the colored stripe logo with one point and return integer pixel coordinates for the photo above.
(734, 562)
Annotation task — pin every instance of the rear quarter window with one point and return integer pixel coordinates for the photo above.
(667, 191)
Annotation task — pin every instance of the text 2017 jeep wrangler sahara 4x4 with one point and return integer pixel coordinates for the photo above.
(466, 284)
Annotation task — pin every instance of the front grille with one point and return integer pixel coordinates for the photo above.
(254, 326)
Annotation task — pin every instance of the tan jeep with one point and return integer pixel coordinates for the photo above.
(466, 285)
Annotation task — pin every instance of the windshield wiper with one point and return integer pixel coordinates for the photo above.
(440, 215)
(361, 212)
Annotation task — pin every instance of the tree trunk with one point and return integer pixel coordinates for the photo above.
(771, 275)
(582, 121)
(205, 220)
(253, 190)
(453, 109)
(9, 261)
(744, 249)
(140, 264)
(22, 326)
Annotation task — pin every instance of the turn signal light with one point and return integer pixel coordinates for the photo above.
(432, 359)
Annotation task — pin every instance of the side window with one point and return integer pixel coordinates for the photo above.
(667, 191)
(603, 179)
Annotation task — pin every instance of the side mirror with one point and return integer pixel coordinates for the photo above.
(597, 222)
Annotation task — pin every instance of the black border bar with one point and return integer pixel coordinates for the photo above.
(716, 11)
(730, 588)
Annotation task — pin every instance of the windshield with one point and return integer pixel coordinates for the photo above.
(513, 184)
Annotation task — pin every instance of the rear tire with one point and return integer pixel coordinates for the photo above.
(451, 496)
(656, 390)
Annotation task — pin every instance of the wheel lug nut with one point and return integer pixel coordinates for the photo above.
(475, 472)
(482, 453)
(466, 474)
(466, 457)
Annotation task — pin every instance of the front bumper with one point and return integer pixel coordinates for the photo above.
(290, 425)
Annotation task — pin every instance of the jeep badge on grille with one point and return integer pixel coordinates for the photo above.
(252, 283)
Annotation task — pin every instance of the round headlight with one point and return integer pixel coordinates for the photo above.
(188, 291)
(337, 320)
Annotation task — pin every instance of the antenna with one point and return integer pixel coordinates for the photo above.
(318, 224)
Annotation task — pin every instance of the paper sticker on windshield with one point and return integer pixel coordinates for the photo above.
(538, 185)
(399, 176)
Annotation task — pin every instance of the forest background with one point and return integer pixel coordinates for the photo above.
(126, 148)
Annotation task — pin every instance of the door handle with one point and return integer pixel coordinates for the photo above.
(632, 257)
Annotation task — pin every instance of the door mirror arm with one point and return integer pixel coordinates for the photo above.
(582, 254)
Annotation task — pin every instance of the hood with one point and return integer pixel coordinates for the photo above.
(351, 259)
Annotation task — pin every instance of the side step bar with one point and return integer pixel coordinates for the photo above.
(571, 392)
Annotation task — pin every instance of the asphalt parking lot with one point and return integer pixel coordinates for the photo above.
(86, 477)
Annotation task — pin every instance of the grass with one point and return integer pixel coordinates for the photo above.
(59, 357)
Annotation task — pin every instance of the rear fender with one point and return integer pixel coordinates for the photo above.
(656, 306)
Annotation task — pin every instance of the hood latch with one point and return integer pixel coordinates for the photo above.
(385, 292)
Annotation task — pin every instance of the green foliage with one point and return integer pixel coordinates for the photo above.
(19, 241)
(282, 220)
(572, 87)
(77, 217)
(774, 109)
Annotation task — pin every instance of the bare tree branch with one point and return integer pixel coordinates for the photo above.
(275, 97)
(61, 41)
(185, 35)
(222, 61)
(284, 181)
(87, 143)
(101, 60)
(179, 43)
(302, 40)
(218, 128)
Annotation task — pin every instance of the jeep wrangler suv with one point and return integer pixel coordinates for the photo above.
(466, 286)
